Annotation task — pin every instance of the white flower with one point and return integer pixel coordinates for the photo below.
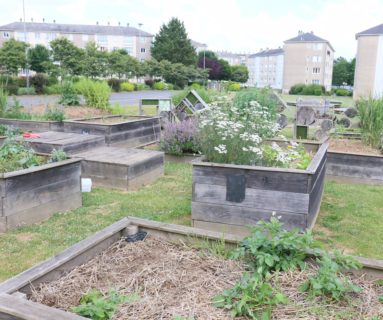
(221, 149)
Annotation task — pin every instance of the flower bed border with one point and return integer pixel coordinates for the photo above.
(293, 194)
(33, 125)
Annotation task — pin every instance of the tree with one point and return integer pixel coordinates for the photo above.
(12, 56)
(239, 73)
(214, 67)
(340, 72)
(226, 70)
(95, 61)
(121, 63)
(172, 44)
(68, 56)
(351, 70)
(39, 59)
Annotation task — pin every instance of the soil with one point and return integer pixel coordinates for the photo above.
(71, 112)
(178, 281)
(113, 120)
(352, 146)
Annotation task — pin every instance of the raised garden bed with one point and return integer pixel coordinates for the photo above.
(120, 168)
(126, 130)
(169, 277)
(230, 197)
(31, 195)
(33, 125)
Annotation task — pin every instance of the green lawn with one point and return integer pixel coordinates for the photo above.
(350, 218)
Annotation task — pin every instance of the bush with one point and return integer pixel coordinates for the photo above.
(69, 96)
(149, 82)
(308, 90)
(115, 84)
(26, 91)
(159, 86)
(127, 86)
(297, 88)
(195, 86)
(39, 81)
(342, 92)
(233, 86)
(264, 97)
(96, 93)
(53, 89)
(11, 88)
(141, 86)
(52, 80)
(180, 137)
(169, 86)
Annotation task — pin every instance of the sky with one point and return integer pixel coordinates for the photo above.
(241, 26)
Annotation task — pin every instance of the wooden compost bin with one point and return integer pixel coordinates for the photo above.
(128, 131)
(31, 195)
(33, 125)
(355, 167)
(15, 306)
(230, 197)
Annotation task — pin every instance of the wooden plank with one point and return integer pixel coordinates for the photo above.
(63, 262)
(318, 158)
(243, 216)
(16, 308)
(41, 212)
(134, 143)
(255, 198)
(267, 180)
(355, 160)
(354, 171)
(240, 231)
(133, 134)
(316, 198)
(139, 168)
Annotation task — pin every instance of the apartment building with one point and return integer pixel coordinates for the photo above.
(369, 63)
(232, 58)
(308, 59)
(266, 68)
(135, 41)
(198, 46)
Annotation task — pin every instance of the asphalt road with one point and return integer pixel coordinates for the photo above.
(123, 98)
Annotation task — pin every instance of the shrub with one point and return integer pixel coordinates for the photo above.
(159, 86)
(26, 91)
(141, 86)
(14, 111)
(297, 88)
(54, 114)
(11, 88)
(195, 86)
(96, 93)
(127, 86)
(39, 81)
(69, 96)
(371, 120)
(149, 82)
(54, 89)
(263, 96)
(52, 80)
(308, 90)
(342, 92)
(118, 109)
(233, 86)
(115, 84)
(180, 137)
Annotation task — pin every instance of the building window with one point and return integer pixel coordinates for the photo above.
(102, 39)
(5, 34)
(143, 50)
(318, 46)
(315, 81)
(316, 70)
(37, 35)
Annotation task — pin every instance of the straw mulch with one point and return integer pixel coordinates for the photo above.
(176, 280)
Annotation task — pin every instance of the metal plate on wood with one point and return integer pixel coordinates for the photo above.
(235, 187)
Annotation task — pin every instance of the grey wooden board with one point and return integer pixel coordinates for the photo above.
(316, 198)
(15, 308)
(255, 198)
(236, 215)
(32, 125)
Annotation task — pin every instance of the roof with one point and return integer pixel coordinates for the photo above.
(197, 44)
(307, 37)
(267, 52)
(377, 30)
(226, 54)
(75, 28)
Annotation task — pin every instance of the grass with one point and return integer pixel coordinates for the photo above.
(167, 200)
(351, 218)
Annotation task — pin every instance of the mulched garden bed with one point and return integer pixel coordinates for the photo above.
(173, 280)
(71, 112)
(352, 146)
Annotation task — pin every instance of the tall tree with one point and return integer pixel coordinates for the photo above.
(68, 56)
(12, 56)
(121, 63)
(340, 72)
(172, 44)
(39, 59)
(239, 73)
(351, 70)
(95, 61)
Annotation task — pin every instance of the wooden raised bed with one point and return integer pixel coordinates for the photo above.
(31, 195)
(229, 197)
(128, 131)
(15, 306)
(33, 125)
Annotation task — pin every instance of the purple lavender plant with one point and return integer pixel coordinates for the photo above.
(180, 137)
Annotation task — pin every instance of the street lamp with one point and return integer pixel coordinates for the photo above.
(26, 48)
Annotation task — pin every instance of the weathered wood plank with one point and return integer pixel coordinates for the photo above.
(267, 180)
(316, 198)
(318, 158)
(255, 198)
(240, 231)
(15, 308)
(235, 215)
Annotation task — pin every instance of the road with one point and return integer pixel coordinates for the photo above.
(123, 98)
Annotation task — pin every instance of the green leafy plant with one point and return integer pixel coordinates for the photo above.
(69, 97)
(57, 155)
(127, 86)
(54, 114)
(14, 111)
(251, 296)
(328, 282)
(96, 93)
(159, 86)
(26, 91)
(9, 131)
(3, 101)
(96, 306)
(271, 248)
(233, 86)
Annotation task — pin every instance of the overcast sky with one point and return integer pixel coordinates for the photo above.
(232, 25)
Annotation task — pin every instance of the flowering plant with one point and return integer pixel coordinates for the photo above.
(180, 137)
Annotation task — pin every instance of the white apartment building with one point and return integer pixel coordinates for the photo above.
(232, 58)
(266, 68)
(108, 38)
(198, 46)
(369, 63)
